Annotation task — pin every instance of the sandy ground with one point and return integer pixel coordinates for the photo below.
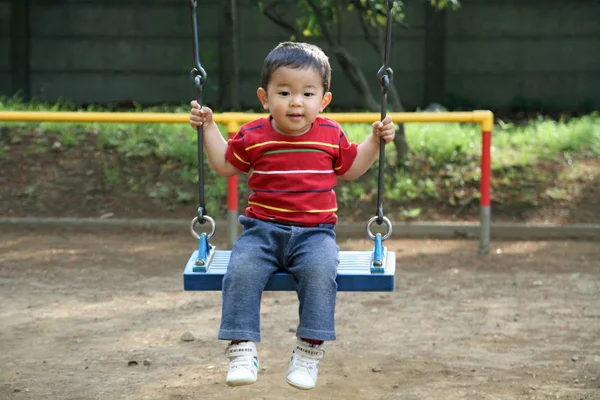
(100, 315)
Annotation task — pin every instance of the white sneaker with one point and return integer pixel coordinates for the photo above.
(303, 368)
(243, 364)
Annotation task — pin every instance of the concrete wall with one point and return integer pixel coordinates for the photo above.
(114, 51)
(499, 53)
(5, 57)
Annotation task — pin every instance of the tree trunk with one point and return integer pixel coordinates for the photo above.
(355, 75)
(235, 62)
(375, 37)
(351, 69)
(400, 138)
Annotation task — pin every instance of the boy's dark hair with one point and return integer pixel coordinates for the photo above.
(297, 55)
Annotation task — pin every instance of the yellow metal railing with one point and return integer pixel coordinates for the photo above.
(234, 120)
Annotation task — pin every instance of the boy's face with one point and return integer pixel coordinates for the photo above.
(294, 97)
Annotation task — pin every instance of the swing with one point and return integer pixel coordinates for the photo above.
(358, 271)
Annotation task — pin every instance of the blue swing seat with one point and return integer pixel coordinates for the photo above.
(354, 273)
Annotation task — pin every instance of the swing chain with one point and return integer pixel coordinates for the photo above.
(384, 76)
(197, 220)
(385, 73)
(387, 222)
(198, 78)
(197, 74)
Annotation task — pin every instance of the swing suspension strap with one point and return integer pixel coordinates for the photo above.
(384, 76)
(198, 78)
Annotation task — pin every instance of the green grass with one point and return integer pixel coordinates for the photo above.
(443, 164)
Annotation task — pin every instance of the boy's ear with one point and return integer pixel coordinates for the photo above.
(262, 97)
(325, 101)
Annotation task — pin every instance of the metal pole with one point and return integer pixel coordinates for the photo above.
(485, 203)
(226, 117)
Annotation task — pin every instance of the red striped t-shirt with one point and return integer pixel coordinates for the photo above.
(292, 177)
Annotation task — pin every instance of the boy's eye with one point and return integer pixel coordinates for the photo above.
(309, 94)
(284, 93)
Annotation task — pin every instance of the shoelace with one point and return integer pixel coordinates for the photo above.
(305, 362)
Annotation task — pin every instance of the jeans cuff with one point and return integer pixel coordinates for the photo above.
(315, 334)
(239, 335)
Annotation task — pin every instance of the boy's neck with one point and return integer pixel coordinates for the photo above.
(285, 133)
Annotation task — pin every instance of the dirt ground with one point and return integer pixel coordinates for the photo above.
(100, 314)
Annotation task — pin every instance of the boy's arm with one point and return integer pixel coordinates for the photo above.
(215, 145)
(368, 150)
(366, 154)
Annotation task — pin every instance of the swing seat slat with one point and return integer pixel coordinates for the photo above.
(354, 273)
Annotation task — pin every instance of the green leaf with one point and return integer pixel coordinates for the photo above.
(412, 213)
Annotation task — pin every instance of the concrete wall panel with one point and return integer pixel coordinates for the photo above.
(498, 52)
(5, 51)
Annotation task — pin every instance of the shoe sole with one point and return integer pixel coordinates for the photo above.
(298, 386)
(239, 383)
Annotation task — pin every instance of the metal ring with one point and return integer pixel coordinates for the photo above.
(386, 221)
(212, 232)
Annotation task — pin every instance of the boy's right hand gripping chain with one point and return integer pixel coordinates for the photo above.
(198, 78)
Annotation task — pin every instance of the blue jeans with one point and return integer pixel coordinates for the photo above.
(310, 254)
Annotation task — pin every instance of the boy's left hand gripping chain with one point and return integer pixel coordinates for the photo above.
(384, 76)
(198, 78)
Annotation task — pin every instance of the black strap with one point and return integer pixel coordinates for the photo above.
(198, 77)
(384, 76)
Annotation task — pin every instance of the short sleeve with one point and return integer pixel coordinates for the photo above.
(236, 153)
(346, 155)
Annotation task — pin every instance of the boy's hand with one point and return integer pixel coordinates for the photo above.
(384, 130)
(200, 115)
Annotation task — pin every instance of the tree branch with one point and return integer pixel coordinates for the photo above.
(322, 22)
(362, 19)
(280, 21)
(339, 10)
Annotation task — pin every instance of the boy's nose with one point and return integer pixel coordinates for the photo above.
(296, 100)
